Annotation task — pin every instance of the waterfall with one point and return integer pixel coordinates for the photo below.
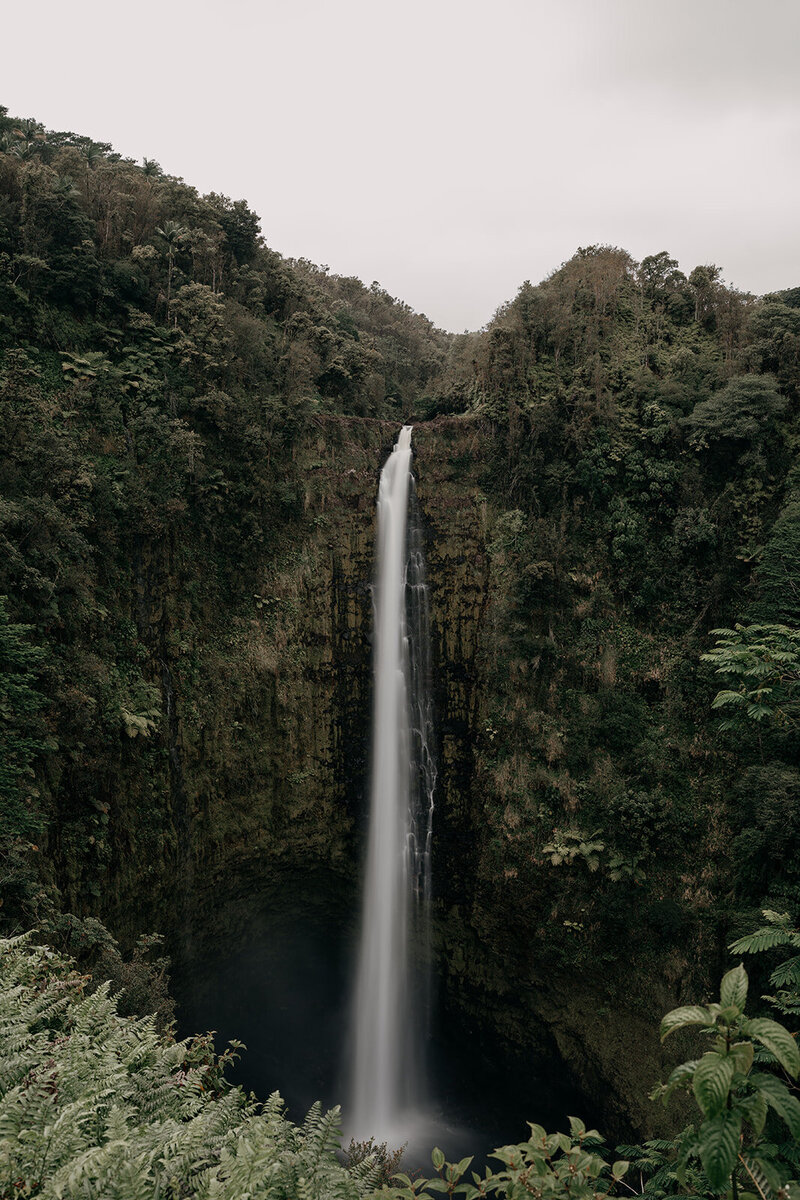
(391, 991)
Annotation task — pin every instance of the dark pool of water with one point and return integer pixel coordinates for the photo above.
(284, 992)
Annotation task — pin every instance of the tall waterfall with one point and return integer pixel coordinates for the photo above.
(391, 995)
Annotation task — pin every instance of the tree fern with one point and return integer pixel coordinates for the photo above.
(778, 931)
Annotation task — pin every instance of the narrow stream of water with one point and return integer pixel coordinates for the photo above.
(387, 1092)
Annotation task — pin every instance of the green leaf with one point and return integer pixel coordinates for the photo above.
(770, 1173)
(778, 1041)
(719, 1147)
(754, 1108)
(681, 1073)
(787, 972)
(733, 990)
(762, 939)
(437, 1158)
(680, 1077)
(619, 1169)
(712, 1081)
(780, 1100)
(742, 1055)
(679, 1018)
(763, 1174)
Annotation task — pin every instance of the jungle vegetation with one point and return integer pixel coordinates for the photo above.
(161, 373)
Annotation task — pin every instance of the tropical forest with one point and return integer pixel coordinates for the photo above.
(399, 729)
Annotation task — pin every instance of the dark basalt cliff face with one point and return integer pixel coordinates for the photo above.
(262, 754)
(262, 758)
(256, 774)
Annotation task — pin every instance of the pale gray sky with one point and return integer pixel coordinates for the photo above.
(448, 148)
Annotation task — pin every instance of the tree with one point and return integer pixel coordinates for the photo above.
(659, 275)
(242, 227)
(779, 570)
(745, 410)
(21, 731)
(774, 332)
(173, 234)
(761, 665)
(705, 282)
(778, 931)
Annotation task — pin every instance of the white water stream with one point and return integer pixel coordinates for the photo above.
(391, 1001)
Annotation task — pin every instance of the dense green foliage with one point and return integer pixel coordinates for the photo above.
(761, 663)
(185, 416)
(641, 472)
(96, 1104)
(778, 932)
(734, 1097)
(158, 365)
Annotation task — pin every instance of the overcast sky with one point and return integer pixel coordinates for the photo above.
(449, 149)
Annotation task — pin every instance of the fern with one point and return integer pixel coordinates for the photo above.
(93, 1104)
(762, 939)
(786, 976)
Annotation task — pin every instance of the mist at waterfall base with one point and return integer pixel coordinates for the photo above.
(285, 991)
(406, 1071)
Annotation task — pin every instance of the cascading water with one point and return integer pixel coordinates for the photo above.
(391, 993)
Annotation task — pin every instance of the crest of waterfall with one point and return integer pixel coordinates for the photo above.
(392, 987)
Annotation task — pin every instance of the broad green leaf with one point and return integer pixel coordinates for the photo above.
(780, 1099)
(778, 1041)
(754, 1108)
(507, 1154)
(538, 1163)
(576, 1126)
(679, 1018)
(405, 1193)
(711, 1082)
(742, 1055)
(580, 1160)
(619, 1168)
(682, 1072)
(462, 1165)
(763, 1174)
(733, 990)
(719, 1147)
(437, 1158)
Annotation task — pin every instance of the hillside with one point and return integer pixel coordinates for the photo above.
(192, 428)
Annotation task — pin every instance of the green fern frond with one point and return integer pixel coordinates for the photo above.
(787, 973)
(763, 939)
